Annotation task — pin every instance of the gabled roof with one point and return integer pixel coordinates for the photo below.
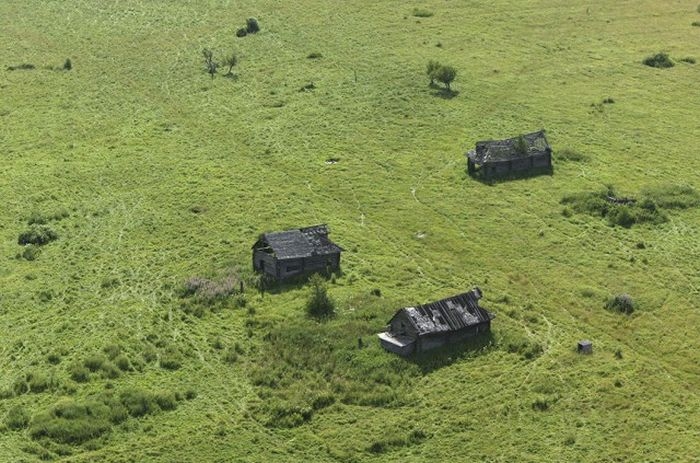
(451, 314)
(297, 243)
(535, 143)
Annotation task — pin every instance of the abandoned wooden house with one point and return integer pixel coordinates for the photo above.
(425, 327)
(529, 153)
(285, 254)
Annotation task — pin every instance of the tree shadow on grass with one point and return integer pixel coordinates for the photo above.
(447, 355)
(444, 93)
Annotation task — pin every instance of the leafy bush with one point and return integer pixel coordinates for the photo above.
(166, 400)
(540, 404)
(314, 55)
(94, 362)
(37, 235)
(431, 70)
(79, 373)
(319, 304)
(659, 60)
(171, 359)
(241, 32)
(110, 370)
(673, 196)
(112, 350)
(17, 418)
(446, 74)
(70, 422)
(252, 26)
(34, 381)
(623, 212)
(30, 252)
(688, 59)
(696, 23)
(122, 362)
(67, 65)
(421, 13)
(622, 303)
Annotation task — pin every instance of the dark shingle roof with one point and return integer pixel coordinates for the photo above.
(302, 242)
(449, 314)
(504, 150)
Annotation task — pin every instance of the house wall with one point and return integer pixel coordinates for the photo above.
(290, 267)
(264, 262)
(406, 350)
(433, 341)
(544, 160)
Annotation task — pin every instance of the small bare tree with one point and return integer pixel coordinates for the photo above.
(230, 61)
(210, 65)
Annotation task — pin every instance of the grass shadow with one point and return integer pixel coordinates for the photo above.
(444, 93)
(451, 353)
(272, 286)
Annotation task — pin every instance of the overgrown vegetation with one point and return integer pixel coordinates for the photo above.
(659, 60)
(625, 211)
(622, 303)
(441, 73)
(319, 303)
(75, 422)
(37, 235)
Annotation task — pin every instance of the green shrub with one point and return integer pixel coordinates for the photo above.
(53, 358)
(431, 70)
(67, 65)
(688, 59)
(166, 400)
(17, 418)
(421, 13)
(69, 422)
(171, 359)
(241, 32)
(38, 235)
(110, 370)
(673, 196)
(79, 373)
(622, 303)
(138, 402)
(94, 362)
(30, 252)
(112, 350)
(540, 404)
(252, 26)
(659, 60)
(314, 55)
(696, 23)
(319, 304)
(190, 394)
(122, 362)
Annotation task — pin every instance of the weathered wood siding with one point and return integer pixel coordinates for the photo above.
(263, 261)
(433, 341)
(404, 351)
(401, 325)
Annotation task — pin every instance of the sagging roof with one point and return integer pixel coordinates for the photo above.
(297, 243)
(451, 314)
(532, 144)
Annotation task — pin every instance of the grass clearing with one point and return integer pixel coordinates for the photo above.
(150, 172)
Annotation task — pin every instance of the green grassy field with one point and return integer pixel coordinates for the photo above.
(150, 173)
